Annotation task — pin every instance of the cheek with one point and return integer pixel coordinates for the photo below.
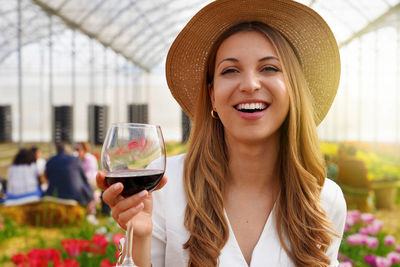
(282, 93)
(220, 97)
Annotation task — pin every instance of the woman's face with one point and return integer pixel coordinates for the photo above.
(249, 93)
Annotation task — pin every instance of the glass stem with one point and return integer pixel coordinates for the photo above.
(128, 260)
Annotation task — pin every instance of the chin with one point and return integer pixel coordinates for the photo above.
(253, 137)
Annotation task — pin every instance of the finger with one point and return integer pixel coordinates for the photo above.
(112, 194)
(162, 183)
(130, 202)
(127, 215)
(101, 180)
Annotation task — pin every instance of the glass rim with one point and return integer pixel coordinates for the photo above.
(134, 125)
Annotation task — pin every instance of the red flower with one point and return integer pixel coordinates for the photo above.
(71, 263)
(133, 145)
(116, 238)
(74, 247)
(99, 244)
(106, 263)
(18, 259)
(119, 152)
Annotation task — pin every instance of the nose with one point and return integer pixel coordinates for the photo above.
(250, 82)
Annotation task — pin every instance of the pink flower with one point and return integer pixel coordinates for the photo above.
(353, 216)
(375, 227)
(367, 217)
(350, 221)
(142, 142)
(370, 259)
(382, 262)
(394, 257)
(346, 264)
(371, 242)
(363, 231)
(389, 240)
(397, 248)
(356, 239)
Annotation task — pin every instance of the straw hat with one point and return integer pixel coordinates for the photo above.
(311, 37)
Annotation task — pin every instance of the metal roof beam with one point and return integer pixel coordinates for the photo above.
(133, 22)
(74, 25)
(148, 40)
(116, 16)
(160, 20)
(90, 13)
(62, 5)
(373, 24)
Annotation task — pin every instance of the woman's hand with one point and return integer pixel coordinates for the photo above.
(137, 208)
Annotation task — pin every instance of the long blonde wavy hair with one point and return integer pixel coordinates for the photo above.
(303, 227)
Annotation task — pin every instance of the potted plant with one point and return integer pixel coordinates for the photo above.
(385, 184)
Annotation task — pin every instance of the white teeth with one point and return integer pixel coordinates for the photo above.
(251, 106)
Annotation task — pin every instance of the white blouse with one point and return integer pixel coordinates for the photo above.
(169, 233)
(22, 179)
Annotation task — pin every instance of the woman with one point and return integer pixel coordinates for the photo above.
(23, 183)
(88, 160)
(251, 190)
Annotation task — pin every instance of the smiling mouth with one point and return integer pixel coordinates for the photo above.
(251, 107)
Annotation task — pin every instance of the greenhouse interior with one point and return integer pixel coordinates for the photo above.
(70, 69)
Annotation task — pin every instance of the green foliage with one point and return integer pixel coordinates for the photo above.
(10, 229)
(175, 148)
(380, 165)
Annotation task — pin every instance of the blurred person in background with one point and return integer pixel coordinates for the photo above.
(40, 162)
(3, 186)
(23, 183)
(88, 161)
(41, 166)
(90, 167)
(66, 178)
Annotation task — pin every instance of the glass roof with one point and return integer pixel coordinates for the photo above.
(143, 30)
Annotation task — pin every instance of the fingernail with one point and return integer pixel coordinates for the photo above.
(139, 206)
(117, 186)
(142, 193)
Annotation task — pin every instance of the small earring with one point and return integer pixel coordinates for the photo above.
(214, 114)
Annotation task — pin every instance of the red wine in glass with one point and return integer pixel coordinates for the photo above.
(135, 181)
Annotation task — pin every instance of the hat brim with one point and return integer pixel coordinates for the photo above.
(308, 33)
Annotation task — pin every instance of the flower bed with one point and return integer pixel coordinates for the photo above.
(91, 243)
(74, 253)
(365, 244)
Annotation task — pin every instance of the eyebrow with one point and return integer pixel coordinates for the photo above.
(261, 59)
(268, 58)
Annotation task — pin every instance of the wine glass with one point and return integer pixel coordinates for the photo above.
(133, 154)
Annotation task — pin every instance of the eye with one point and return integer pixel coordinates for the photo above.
(229, 70)
(270, 68)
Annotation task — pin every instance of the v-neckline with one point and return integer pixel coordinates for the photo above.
(235, 243)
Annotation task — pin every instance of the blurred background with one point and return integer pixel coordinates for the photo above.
(69, 68)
